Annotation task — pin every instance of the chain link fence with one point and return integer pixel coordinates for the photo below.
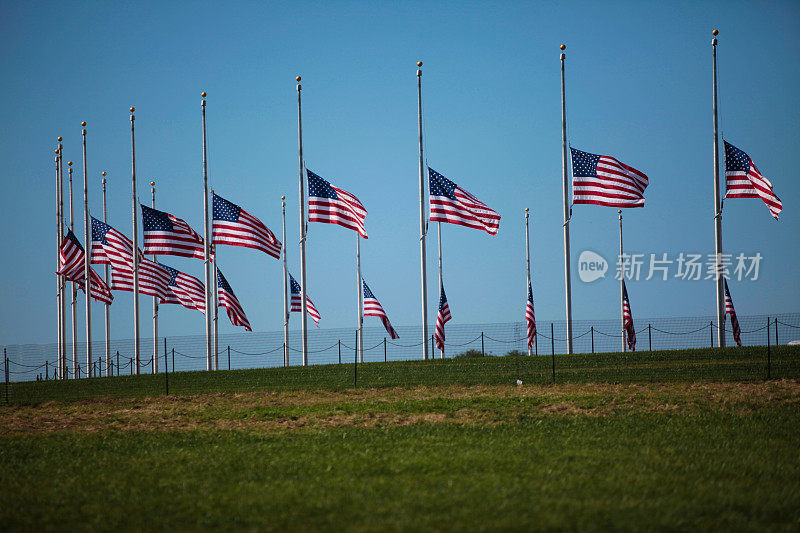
(667, 349)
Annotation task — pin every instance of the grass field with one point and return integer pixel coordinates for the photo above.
(417, 446)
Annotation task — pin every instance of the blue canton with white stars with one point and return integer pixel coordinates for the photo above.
(172, 274)
(735, 159)
(319, 187)
(71, 236)
(99, 230)
(442, 299)
(439, 185)
(295, 287)
(584, 164)
(225, 210)
(222, 283)
(154, 220)
(367, 292)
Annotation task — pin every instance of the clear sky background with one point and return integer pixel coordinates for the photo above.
(638, 88)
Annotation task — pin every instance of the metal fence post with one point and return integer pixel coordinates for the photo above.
(173, 359)
(483, 353)
(536, 343)
(711, 331)
(777, 343)
(78, 371)
(649, 337)
(340, 351)
(552, 340)
(355, 362)
(432, 350)
(118, 362)
(131, 361)
(166, 368)
(384, 350)
(769, 362)
(5, 358)
(592, 331)
(46, 369)
(229, 357)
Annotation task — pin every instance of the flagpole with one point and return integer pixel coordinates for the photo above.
(359, 307)
(527, 258)
(285, 290)
(87, 239)
(422, 224)
(155, 299)
(61, 353)
(621, 282)
(107, 307)
(136, 355)
(215, 316)
(439, 235)
(565, 192)
(303, 280)
(63, 287)
(206, 241)
(717, 211)
(74, 302)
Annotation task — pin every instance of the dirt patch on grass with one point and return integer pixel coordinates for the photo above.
(275, 411)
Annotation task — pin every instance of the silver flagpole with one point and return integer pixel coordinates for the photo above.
(59, 237)
(422, 222)
(106, 309)
(215, 315)
(359, 306)
(718, 211)
(155, 299)
(303, 280)
(206, 240)
(565, 191)
(527, 261)
(87, 239)
(136, 355)
(621, 283)
(63, 287)
(285, 289)
(439, 235)
(74, 302)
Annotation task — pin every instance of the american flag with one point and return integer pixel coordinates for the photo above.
(603, 180)
(530, 317)
(185, 290)
(372, 307)
(118, 252)
(333, 205)
(166, 234)
(235, 226)
(627, 318)
(737, 331)
(230, 302)
(441, 319)
(743, 180)
(451, 203)
(73, 268)
(297, 302)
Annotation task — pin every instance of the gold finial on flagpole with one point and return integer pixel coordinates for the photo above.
(56, 151)
(203, 94)
(526, 209)
(298, 78)
(83, 123)
(60, 139)
(152, 183)
(104, 173)
(69, 163)
(283, 197)
(419, 63)
(104, 176)
(715, 33)
(563, 47)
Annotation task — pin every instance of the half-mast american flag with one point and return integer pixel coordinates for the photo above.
(737, 331)
(442, 318)
(185, 290)
(372, 307)
(118, 252)
(743, 180)
(297, 302)
(236, 227)
(530, 318)
(627, 319)
(333, 205)
(73, 268)
(603, 180)
(230, 302)
(450, 203)
(166, 234)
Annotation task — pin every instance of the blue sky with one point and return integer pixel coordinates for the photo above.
(638, 88)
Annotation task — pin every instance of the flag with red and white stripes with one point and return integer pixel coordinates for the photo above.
(372, 307)
(530, 317)
(627, 319)
(230, 302)
(333, 205)
(166, 234)
(185, 290)
(451, 203)
(236, 227)
(442, 318)
(118, 252)
(604, 180)
(297, 301)
(743, 180)
(73, 268)
(737, 331)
